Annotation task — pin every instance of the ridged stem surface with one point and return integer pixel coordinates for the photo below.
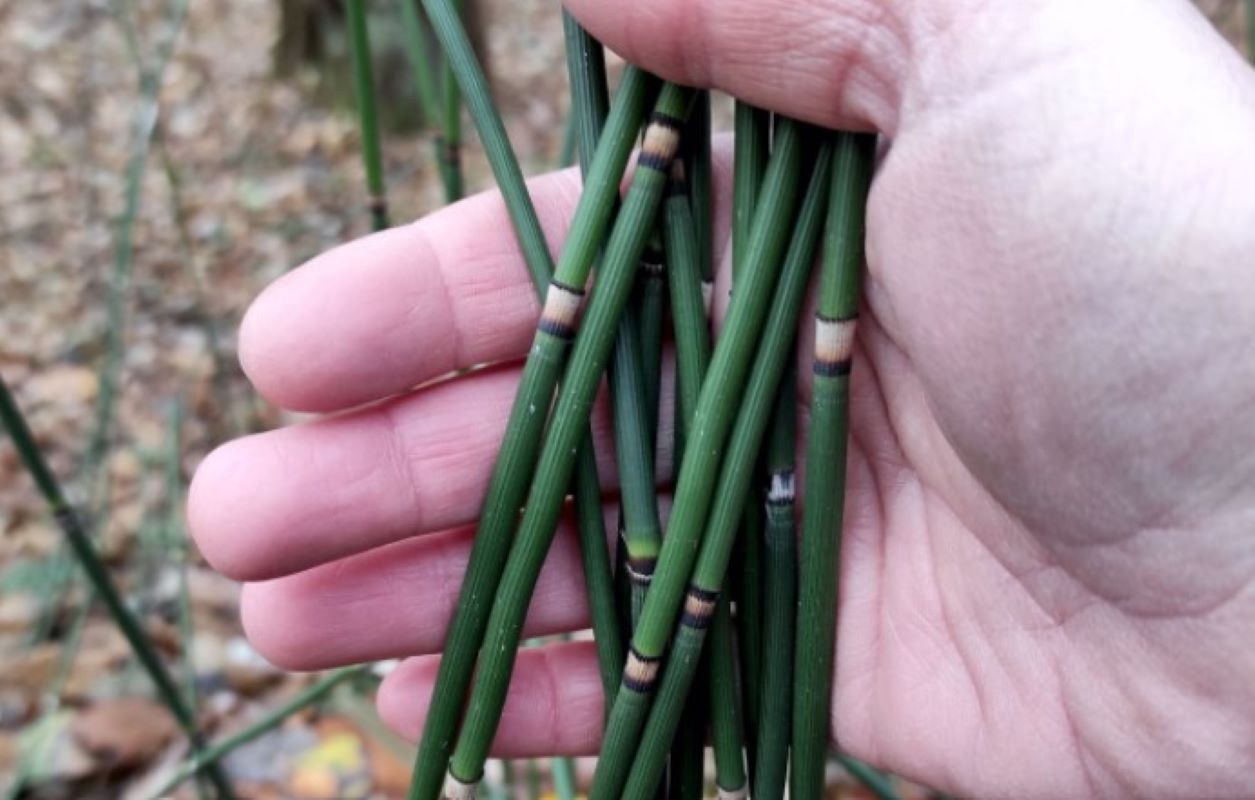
(586, 69)
(750, 153)
(779, 596)
(368, 116)
(568, 421)
(12, 420)
(703, 452)
(512, 473)
(825, 466)
(734, 480)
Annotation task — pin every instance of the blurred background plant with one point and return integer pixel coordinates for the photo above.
(164, 160)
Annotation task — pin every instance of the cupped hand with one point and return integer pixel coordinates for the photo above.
(1046, 580)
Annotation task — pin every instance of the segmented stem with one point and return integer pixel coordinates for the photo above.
(703, 452)
(569, 418)
(825, 473)
(586, 68)
(221, 748)
(642, 531)
(750, 153)
(780, 597)
(737, 473)
(512, 473)
(71, 525)
(364, 84)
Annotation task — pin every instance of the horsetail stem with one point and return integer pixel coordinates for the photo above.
(590, 101)
(586, 68)
(12, 420)
(219, 749)
(450, 148)
(461, 63)
(780, 595)
(364, 84)
(703, 450)
(737, 472)
(750, 152)
(508, 484)
(692, 332)
(431, 100)
(420, 62)
(725, 720)
(749, 159)
(570, 416)
(698, 166)
(642, 532)
(692, 344)
(651, 287)
(825, 476)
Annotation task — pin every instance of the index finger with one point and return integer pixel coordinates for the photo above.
(379, 315)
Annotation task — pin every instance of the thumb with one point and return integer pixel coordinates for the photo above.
(854, 64)
(838, 63)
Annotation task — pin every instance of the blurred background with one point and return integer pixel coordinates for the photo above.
(162, 161)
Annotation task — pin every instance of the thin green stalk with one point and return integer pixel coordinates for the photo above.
(143, 129)
(563, 770)
(569, 418)
(566, 152)
(825, 473)
(420, 62)
(749, 161)
(364, 84)
(880, 784)
(750, 153)
(735, 476)
(779, 608)
(12, 420)
(1249, 7)
(209, 757)
(703, 451)
(508, 485)
(448, 158)
(692, 338)
(470, 77)
(177, 547)
(451, 143)
(586, 69)
(684, 282)
(687, 770)
(533, 780)
(651, 288)
(698, 166)
(725, 718)
(634, 452)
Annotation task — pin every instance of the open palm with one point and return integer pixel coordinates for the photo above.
(1047, 572)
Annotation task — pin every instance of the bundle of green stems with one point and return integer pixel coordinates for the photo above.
(691, 652)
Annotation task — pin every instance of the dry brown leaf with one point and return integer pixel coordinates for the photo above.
(125, 731)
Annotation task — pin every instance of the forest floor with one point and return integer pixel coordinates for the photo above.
(243, 176)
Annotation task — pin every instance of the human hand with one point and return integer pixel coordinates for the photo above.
(1046, 582)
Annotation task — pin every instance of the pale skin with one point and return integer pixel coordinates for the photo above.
(1047, 576)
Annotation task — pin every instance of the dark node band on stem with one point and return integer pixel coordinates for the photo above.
(378, 204)
(640, 569)
(652, 263)
(641, 672)
(562, 307)
(834, 345)
(699, 607)
(662, 140)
